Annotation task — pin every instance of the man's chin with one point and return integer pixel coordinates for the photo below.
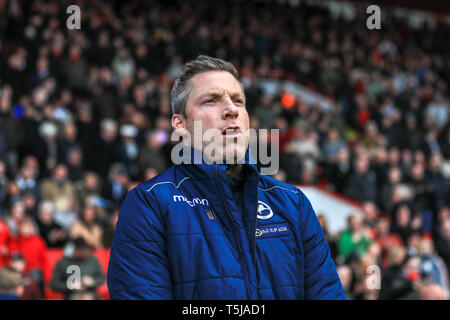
(229, 155)
(234, 156)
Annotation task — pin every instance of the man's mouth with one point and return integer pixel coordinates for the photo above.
(232, 132)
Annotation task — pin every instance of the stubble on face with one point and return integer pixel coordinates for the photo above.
(217, 102)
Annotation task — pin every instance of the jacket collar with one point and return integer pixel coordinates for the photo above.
(197, 166)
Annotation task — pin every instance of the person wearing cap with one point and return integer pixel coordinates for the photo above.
(78, 272)
(207, 230)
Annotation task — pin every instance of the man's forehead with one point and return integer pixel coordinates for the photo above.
(215, 81)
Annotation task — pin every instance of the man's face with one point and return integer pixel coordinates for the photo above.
(216, 102)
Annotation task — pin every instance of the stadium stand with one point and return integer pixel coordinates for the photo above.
(84, 117)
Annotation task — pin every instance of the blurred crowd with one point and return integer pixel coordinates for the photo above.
(85, 116)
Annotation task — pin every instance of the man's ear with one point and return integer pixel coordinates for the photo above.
(179, 123)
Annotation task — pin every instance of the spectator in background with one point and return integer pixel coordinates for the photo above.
(328, 236)
(437, 111)
(41, 74)
(401, 223)
(266, 113)
(371, 138)
(103, 153)
(32, 162)
(371, 216)
(59, 190)
(394, 179)
(32, 247)
(442, 241)
(361, 184)
(12, 196)
(354, 240)
(123, 64)
(30, 201)
(346, 277)
(332, 146)
(305, 144)
(53, 234)
(26, 180)
(151, 155)
(439, 187)
(128, 150)
(367, 287)
(413, 136)
(89, 186)
(90, 271)
(11, 127)
(339, 171)
(116, 188)
(386, 239)
(16, 71)
(420, 186)
(433, 268)
(101, 53)
(68, 141)
(10, 286)
(5, 243)
(108, 230)
(445, 143)
(75, 164)
(15, 217)
(4, 181)
(290, 162)
(74, 68)
(402, 276)
(45, 147)
(31, 288)
(87, 228)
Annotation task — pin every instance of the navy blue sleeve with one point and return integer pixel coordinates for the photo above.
(321, 279)
(138, 267)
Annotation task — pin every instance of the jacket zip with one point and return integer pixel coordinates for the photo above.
(254, 225)
(236, 228)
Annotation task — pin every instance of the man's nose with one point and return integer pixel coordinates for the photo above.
(230, 109)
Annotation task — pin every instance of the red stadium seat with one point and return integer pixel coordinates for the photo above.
(53, 256)
(103, 258)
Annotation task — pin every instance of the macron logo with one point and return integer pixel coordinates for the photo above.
(192, 203)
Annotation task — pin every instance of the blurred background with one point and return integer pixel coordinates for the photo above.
(363, 118)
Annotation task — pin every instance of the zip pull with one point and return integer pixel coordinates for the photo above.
(210, 214)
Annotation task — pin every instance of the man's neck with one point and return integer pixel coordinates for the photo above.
(235, 170)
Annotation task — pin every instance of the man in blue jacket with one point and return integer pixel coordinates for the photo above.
(207, 230)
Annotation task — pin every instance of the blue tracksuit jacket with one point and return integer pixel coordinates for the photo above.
(180, 236)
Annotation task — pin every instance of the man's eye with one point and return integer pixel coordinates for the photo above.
(209, 101)
(239, 101)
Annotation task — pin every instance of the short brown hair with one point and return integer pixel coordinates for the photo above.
(181, 88)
